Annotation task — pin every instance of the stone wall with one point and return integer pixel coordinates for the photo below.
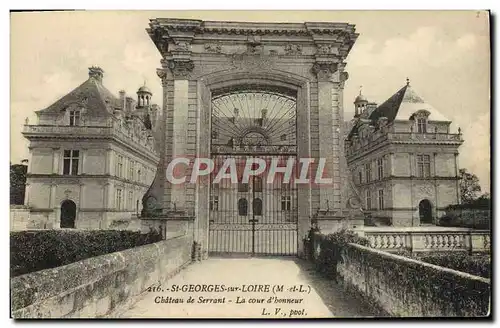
(19, 217)
(404, 287)
(100, 286)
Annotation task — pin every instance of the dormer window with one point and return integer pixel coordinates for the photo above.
(74, 117)
(422, 125)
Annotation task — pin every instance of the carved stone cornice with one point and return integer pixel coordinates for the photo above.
(180, 68)
(324, 70)
(293, 49)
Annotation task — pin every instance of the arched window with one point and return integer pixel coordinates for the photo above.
(68, 214)
(257, 206)
(242, 207)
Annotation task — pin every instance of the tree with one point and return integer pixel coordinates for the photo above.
(17, 183)
(469, 186)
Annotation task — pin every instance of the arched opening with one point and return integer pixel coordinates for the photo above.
(242, 207)
(257, 206)
(425, 211)
(68, 214)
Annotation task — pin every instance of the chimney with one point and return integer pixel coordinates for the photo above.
(96, 72)
(122, 99)
(129, 104)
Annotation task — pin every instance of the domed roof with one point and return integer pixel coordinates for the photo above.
(360, 98)
(144, 89)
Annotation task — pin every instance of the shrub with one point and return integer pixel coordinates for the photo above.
(32, 251)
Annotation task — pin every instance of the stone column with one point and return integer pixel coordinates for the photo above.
(459, 200)
(105, 205)
(52, 196)
(109, 162)
(329, 139)
(79, 216)
(177, 128)
(83, 152)
(56, 155)
(30, 161)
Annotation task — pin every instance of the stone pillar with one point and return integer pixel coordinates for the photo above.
(109, 162)
(30, 161)
(391, 160)
(27, 194)
(328, 139)
(52, 198)
(56, 155)
(339, 200)
(83, 152)
(79, 224)
(459, 200)
(105, 207)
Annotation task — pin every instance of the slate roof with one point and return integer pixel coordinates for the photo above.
(92, 93)
(401, 106)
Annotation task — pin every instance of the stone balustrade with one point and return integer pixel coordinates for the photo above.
(407, 136)
(116, 131)
(427, 241)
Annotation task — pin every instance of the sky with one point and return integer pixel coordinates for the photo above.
(444, 54)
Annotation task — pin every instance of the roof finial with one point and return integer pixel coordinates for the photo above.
(407, 81)
(360, 89)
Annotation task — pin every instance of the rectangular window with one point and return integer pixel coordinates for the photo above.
(139, 175)
(74, 118)
(381, 199)
(119, 166)
(214, 203)
(118, 199)
(368, 199)
(422, 125)
(424, 166)
(286, 203)
(368, 171)
(380, 168)
(70, 162)
(360, 176)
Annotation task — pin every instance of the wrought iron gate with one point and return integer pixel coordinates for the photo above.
(260, 216)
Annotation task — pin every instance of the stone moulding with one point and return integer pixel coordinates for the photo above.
(333, 38)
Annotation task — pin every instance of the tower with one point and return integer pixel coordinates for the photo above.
(144, 96)
(360, 104)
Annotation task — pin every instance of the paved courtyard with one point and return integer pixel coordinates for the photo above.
(252, 287)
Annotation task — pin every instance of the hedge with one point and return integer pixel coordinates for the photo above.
(330, 248)
(32, 251)
(478, 265)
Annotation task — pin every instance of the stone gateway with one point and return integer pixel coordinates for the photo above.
(253, 90)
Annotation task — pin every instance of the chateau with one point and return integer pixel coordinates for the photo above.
(241, 93)
(92, 157)
(404, 159)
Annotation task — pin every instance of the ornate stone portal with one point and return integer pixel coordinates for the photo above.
(202, 59)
